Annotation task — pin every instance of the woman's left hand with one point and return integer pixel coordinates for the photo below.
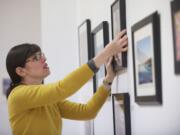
(109, 69)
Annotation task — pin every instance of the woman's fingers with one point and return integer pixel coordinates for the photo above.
(120, 42)
(123, 39)
(123, 44)
(124, 49)
(110, 60)
(120, 34)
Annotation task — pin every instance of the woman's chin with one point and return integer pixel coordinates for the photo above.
(46, 73)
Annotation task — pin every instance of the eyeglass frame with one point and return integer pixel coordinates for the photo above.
(36, 57)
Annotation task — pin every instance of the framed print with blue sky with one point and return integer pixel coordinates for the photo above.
(147, 60)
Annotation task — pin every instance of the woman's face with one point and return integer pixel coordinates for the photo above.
(36, 66)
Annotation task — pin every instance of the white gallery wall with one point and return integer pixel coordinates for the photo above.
(19, 22)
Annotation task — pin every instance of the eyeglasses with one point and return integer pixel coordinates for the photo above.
(36, 57)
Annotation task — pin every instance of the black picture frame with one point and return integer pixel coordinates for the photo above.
(175, 13)
(121, 114)
(84, 39)
(86, 48)
(118, 23)
(100, 38)
(147, 60)
(86, 52)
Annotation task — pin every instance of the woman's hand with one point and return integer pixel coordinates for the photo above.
(109, 71)
(118, 44)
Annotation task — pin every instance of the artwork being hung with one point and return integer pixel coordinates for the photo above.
(121, 114)
(85, 46)
(100, 36)
(175, 11)
(118, 21)
(146, 60)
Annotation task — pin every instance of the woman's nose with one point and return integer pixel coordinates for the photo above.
(43, 59)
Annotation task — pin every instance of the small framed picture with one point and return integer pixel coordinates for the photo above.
(85, 45)
(86, 48)
(100, 36)
(118, 21)
(175, 11)
(146, 60)
(121, 114)
(5, 84)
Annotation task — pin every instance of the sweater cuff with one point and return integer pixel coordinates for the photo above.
(92, 66)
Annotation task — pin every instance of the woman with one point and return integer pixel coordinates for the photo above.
(36, 108)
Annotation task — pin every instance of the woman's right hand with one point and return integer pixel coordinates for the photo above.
(118, 44)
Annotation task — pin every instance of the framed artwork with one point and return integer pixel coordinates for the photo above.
(86, 52)
(100, 37)
(118, 21)
(121, 114)
(5, 84)
(175, 11)
(146, 60)
(85, 46)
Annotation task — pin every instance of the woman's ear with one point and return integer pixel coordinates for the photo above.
(20, 71)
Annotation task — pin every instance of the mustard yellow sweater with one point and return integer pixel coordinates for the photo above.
(39, 109)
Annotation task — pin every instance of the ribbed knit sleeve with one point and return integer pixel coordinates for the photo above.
(77, 111)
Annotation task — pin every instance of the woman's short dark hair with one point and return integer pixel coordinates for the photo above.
(17, 57)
